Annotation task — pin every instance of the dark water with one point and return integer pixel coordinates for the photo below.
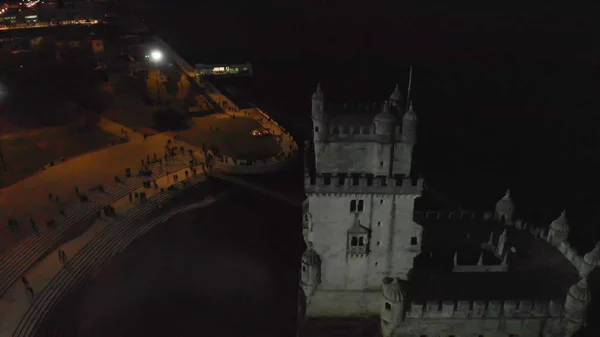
(230, 269)
(497, 90)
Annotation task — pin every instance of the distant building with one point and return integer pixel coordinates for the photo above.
(224, 69)
(424, 274)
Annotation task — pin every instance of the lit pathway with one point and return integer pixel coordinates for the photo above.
(29, 197)
(86, 255)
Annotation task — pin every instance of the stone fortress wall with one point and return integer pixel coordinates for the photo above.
(524, 317)
(359, 184)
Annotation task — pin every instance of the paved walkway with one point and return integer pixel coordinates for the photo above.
(28, 199)
(16, 301)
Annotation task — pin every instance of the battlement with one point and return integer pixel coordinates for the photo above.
(353, 132)
(371, 107)
(485, 309)
(432, 216)
(362, 183)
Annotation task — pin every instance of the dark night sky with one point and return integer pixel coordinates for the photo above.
(493, 86)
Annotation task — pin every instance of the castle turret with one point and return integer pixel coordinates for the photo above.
(311, 271)
(409, 126)
(385, 122)
(392, 306)
(576, 304)
(559, 230)
(319, 116)
(396, 100)
(505, 209)
(591, 260)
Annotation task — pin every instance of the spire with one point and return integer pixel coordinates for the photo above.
(396, 95)
(409, 85)
(455, 258)
(318, 93)
(410, 113)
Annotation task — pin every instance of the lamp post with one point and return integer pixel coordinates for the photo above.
(156, 57)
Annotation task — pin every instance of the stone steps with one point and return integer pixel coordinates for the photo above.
(89, 261)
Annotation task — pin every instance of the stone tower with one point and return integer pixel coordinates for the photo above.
(360, 204)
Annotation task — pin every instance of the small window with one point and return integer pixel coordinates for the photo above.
(381, 163)
(361, 205)
(388, 306)
(378, 223)
(376, 263)
(303, 268)
(358, 244)
(316, 129)
(413, 241)
(381, 202)
(378, 243)
(353, 206)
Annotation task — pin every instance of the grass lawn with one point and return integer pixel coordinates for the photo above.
(233, 138)
(126, 106)
(26, 152)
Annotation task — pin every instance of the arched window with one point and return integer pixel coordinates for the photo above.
(354, 241)
(361, 241)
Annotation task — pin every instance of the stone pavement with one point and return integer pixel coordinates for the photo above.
(28, 199)
(15, 302)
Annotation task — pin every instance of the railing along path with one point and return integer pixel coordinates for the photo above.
(30, 250)
(89, 260)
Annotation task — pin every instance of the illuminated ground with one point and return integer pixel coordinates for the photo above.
(231, 136)
(229, 270)
(27, 151)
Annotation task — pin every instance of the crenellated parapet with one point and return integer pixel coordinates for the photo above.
(362, 184)
(420, 216)
(359, 133)
(485, 309)
(345, 107)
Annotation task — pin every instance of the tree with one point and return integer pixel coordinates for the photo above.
(156, 85)
(183, 91)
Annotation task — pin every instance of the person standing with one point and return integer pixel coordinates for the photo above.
(30, 292)
(33, 226)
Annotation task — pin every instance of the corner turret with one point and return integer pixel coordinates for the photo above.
(385, 122)
(396, 100)
(559, 230)
(505, 209)
(591, 260)
(392, 306)
(319, 116)
(409, 126)
(311, 271)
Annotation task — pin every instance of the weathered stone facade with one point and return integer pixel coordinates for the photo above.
(361, 230)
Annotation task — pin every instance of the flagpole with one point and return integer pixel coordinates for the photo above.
(409, 84)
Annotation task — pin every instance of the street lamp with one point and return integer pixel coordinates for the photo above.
(156, 57)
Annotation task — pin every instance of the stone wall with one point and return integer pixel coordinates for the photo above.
(344, 303)
(351, 133)
(484, 309)
(343, 183)
(289, 147)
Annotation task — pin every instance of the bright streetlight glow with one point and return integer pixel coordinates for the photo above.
(156, 55)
